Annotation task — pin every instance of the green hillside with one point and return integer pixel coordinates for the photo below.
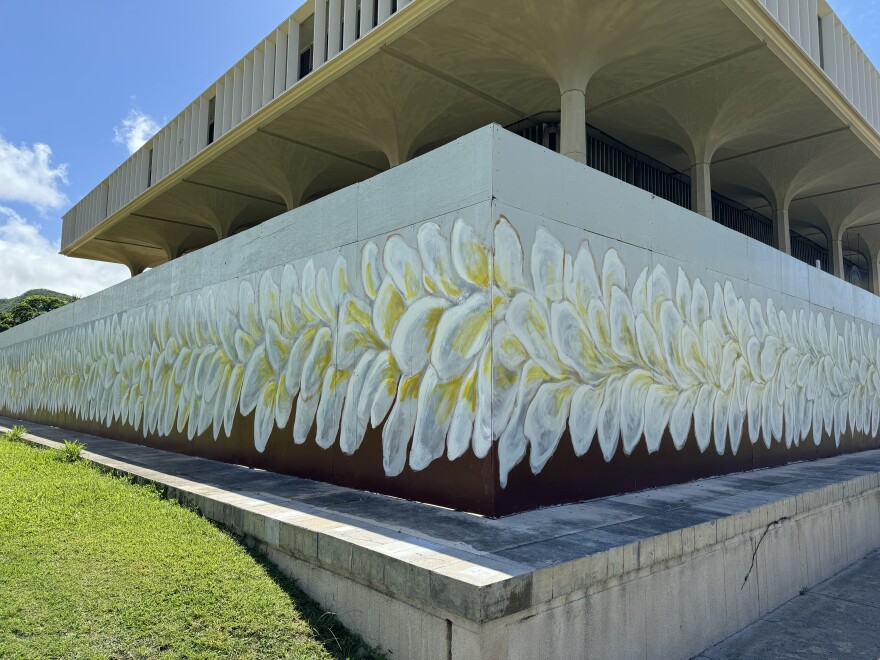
(8, 304)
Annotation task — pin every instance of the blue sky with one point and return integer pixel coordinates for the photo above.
(73, 73)
(85, 81)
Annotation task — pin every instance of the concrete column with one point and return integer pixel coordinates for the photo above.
(367, 8)
(875, 277)
(291, 71)
(782, 230)
(334, 28)
(384, 10)
(319, 52)
(573, 138)
(350, 23)
(837, 259)
(701, 189)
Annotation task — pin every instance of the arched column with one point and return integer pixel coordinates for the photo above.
(838, 212)
(875, 275)
(701, 189)
(781, 228)
(836, 249)
(573, 142)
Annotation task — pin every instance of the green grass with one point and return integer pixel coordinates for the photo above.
(92, 566)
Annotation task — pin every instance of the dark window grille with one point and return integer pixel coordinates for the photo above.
(810, 252)
(305, 62)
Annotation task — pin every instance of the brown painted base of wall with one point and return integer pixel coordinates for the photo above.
(470, 484)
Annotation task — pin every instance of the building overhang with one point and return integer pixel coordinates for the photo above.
(674, 80)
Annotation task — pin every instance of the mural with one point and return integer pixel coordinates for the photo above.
(457, 342)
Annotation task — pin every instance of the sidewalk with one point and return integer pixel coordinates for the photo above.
(659, 573)
(840, 618)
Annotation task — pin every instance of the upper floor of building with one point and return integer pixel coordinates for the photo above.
(766, 108)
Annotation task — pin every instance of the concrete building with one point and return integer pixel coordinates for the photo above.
(494, 256)
(761, 115)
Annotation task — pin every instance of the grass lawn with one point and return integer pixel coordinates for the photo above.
(92, 566)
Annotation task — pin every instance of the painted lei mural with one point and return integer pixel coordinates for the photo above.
(452, 347)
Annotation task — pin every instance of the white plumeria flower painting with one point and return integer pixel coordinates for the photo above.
(462, 340)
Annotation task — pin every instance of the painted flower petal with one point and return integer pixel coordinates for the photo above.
(469, 256)
(264, 416)
(290, 301)
(633, 394)
(584, 283)
(547, 266)
(659, 405)
(329, 412)
(247, 310)
(277, 346)
(573, 343)
(723, 402)
(683, 295)
(546, 420)
(404, 266)
(512, 443)
(380, 389)
(322, 300)
(680, 418)
(649, 345)
(613, 275)
(233, 391)
(462, 334)
(270, 299)
(354, 420)
(257, 373)
(509, 258)
(283, 404)
(584, 419)
(316, 363)
(436, 403)
(414, 335)
(355, 333)
(508, 350)
(339, 284)
(527, 319)
(703, 410)
(699, 305)
(440, 275)
(640, 296)
(304, 418)
(490, 393)
(387, 310)
(398, 429)
(372, 272)
(623, 331)
(609, 419)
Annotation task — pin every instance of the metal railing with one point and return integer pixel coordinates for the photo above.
(810, 252)
(614, 158)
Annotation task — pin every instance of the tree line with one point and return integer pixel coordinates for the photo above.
(29, 308)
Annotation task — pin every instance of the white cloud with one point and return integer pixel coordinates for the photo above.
(29, 260)
(28, 175)
(136, 129)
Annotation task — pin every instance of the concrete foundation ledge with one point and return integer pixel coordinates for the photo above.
(662, 573)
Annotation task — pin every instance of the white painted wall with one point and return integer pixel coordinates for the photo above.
(621, 316)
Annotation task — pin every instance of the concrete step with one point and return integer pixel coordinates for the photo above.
(661, 573)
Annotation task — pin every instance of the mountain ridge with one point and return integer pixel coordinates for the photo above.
(8, 304)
